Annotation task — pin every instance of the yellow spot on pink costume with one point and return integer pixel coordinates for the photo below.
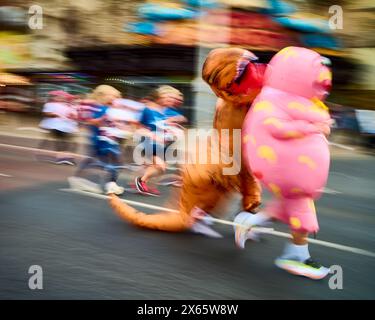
(248, 138)
(288, 52)
(275, 189)
(319, 104)
(252, 140)
(296, 105)
(325, 75)
(308, 161)
(273, 121)
(263, 106)
(295, 222)
(266, 152)
(293, 134)
(296, 190)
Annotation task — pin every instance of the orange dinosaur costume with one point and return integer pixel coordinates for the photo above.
(236, 80)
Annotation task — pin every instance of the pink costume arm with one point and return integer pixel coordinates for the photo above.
(289, 129)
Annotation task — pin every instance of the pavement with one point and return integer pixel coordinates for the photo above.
(87, 252)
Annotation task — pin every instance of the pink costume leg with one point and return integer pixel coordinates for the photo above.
(276, 210)
(301, 215)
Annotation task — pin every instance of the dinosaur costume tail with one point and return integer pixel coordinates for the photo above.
(164, 221)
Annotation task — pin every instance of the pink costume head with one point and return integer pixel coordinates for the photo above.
(301, 72)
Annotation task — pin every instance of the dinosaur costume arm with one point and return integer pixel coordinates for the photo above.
(251, 191)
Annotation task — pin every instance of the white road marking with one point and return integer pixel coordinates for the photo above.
(35, 129)
(105, 197)
(5, 175)
(37, 150)
(130, 167)
(263, 230)
(330, 191)
(234, 224)
(342, 146)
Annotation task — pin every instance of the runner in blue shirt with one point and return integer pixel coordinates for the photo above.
(102, 147)
(159, 114)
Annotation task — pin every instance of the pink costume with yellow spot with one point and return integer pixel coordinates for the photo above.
(282, 145)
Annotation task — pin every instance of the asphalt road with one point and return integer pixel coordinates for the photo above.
(86, 252)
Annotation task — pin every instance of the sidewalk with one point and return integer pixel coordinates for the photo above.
(23, 130)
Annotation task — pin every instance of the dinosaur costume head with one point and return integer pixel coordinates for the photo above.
(299, 71)
(233, 74)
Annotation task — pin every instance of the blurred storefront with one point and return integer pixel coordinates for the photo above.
(261, 26)
(136, 45)
(15, 93)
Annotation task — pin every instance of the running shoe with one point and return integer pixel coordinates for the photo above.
(308, 268)
(244, 230)
(113, 187)
(201, 225)
(203, 228)
(67, 161)
(241, 232)
(82, 184)
(143, 188)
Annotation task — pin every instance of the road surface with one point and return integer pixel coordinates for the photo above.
(87, 252)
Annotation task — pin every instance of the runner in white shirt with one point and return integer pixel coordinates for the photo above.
(123, 116)
(60, 121)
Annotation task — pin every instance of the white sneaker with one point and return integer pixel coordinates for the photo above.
(248, 221)
(65, 161)
(200, 214)
(253, 235)
(241, 233)
(308, 268)
(82, 184)
(202, 228)
(113, 187)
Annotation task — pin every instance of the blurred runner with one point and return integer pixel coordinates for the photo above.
(160, 115)
(366, 125)
(60, 119)
(105, 133)
(127, 114)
